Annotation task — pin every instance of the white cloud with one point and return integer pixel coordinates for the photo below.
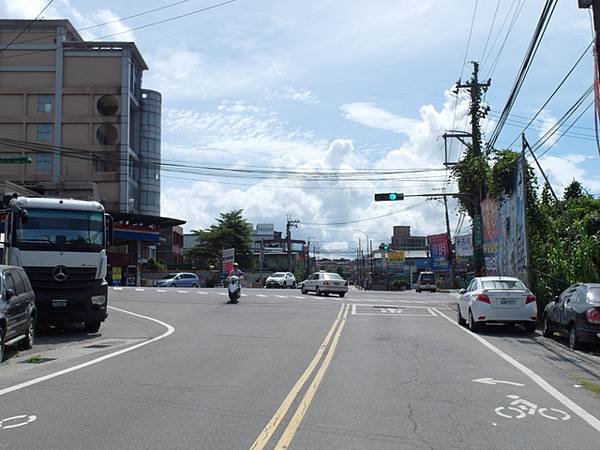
(547, 121)
(371, 115)
(561, 170)
(301, 95)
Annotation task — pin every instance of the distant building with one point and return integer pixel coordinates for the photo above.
(170, 249)
(403, 240)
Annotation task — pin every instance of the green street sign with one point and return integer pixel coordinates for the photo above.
(16, 160)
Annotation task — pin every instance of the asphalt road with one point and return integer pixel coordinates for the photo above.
(280, 369)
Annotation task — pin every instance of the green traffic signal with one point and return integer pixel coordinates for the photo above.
(389, 197)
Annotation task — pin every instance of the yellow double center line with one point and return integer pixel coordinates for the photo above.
(290, 431)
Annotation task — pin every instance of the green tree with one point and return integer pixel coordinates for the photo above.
(230, 231)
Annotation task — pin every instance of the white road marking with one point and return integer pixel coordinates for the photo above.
(493, 381)
(18, 424)
(182, 292)
(170, 331)
(281, 296)
(261, 295)
(298, 296)
(139, 289)
(431, 311)
(574, 407)
(222, 293)
(118, 288)
(161, 290)
(202, 293)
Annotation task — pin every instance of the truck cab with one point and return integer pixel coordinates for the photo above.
(61, 244)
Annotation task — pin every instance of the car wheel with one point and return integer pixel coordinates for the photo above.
(27, 343)
(194, 285)
(294, 286)
(303, 291)
(529, 327)
(1, 344)
(418, 291)
(461, 319)
(326, 294)
(547, 330)
(341, 294)
(473, 326)
(574, 343)
(92, 327)
(318, 291)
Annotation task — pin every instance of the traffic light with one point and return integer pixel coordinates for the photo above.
(386, 247)
(389, 197)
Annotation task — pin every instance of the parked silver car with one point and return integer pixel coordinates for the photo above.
(179, 280)
(325, 283)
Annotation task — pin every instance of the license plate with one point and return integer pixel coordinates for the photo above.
(59, 303)
(337, 284)
(507, 302)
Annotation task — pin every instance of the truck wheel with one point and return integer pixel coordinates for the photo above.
(92, 327)
(27, 343)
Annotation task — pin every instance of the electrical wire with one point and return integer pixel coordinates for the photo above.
(565, 78)
(27, 27)
(490, 30)
(534, 44)
(516, 15)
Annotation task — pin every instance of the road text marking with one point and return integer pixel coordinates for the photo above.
(22, 423)
(574, 407)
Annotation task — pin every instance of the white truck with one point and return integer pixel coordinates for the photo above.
(61, 244)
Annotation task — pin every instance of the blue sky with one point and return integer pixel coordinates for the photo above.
(337, 85)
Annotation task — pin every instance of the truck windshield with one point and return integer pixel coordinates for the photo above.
(64, 229)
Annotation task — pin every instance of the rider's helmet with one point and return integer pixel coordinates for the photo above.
(236, 265)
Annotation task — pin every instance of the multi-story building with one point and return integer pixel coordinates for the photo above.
(402, 239)
(170, 249)
(77, 108)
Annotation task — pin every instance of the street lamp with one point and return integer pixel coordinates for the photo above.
(369, 252)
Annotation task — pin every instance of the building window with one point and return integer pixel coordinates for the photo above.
(44, 132)
(43, 161)
(44, 103)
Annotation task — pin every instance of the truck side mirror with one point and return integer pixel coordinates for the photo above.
(462, 291)
(110, 231)
(9, 294)
(24, 216)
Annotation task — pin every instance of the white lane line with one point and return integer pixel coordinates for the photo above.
(566, 401)
(281, 296)
(432, 312)
(244, 295)
(202, 293)
(354, 309)
(298, 296)
(222, 293)
(139, 289)
(182, 292)
(117, 288)
(161, 290)
(261, 295)
(170, 331)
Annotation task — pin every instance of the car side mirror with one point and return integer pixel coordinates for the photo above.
(556, 298)
(462, 291)
(9, 294)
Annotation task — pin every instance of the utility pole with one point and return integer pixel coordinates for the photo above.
(477, 112)
(288, 237)
(450, 254)
(595, 5)
(261, 260)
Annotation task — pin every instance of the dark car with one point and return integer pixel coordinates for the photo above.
(426, 282)
(576, 314)
(17, 309)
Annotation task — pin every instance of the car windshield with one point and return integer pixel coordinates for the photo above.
(427, 278)
(333, 276)
(278, 275)
(169, 276)
(507, 285)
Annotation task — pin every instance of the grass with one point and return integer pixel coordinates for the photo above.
(589, 386)
(35, 359)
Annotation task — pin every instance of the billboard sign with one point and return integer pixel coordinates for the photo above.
(489, 212)
(464, 245)
(265, 228)
(438, 250)
(396, 256)
(228, 259)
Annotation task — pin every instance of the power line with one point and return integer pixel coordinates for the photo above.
(168, 19)
(359, 220)
(27, 27)
(534, 44)
(490, 31)
(498, 34)
(553, 93)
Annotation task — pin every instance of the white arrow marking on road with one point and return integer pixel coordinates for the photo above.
(16, 425)
(492, 381)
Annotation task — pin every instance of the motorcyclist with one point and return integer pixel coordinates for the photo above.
(236, 271)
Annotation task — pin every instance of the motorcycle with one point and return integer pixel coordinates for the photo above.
(234, 288)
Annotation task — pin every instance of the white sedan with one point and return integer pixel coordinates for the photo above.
(325, 283)
(497, 300)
